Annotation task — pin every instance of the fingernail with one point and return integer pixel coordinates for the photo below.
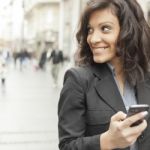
(144, 113)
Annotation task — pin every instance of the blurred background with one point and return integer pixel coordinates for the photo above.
(37, 45)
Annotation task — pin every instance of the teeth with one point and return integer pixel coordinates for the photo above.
(103, 48)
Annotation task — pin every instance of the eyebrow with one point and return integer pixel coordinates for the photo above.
(106, 22)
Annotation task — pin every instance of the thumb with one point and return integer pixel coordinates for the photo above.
(119, 116)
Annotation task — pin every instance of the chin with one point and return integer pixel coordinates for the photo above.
(98, 60)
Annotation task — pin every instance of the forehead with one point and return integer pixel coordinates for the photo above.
(103, 15)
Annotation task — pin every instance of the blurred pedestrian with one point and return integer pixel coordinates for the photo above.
(56, 57)
(43, 60)
(3, 72)
(113, 73)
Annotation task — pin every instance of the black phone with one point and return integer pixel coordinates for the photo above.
(134, 109)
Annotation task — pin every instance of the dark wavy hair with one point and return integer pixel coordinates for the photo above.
(133, 45)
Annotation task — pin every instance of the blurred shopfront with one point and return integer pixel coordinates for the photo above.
(44, 22)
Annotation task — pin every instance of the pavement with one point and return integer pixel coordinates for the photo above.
(28, 111)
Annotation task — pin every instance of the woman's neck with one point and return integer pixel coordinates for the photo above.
(119, 74)
(118, 66)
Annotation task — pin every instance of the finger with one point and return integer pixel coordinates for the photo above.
(136, 131)
(119, 116)
(130, 120)
(139, 128)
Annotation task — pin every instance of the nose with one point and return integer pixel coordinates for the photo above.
(96, 37)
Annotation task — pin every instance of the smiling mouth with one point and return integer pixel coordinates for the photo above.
(98, 50)
(102, 47)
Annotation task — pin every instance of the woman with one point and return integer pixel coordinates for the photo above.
(114, 56)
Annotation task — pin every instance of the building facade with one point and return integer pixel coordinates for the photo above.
(38, 24)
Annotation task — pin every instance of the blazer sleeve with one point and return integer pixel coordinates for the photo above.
(71, 113)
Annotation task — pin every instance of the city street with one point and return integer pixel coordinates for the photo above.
(39, 37)
(28, 111)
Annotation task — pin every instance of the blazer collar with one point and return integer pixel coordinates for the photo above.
(107, 88)
(108, 91)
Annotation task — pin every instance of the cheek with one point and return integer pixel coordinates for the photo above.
(88, 40)
(113, 45)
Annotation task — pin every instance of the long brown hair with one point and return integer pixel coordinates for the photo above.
(133, 45)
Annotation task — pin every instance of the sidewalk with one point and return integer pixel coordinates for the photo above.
(28, 112)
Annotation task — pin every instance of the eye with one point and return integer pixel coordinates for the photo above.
(89, 30)
(106, 29)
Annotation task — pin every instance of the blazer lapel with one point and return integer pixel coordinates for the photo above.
(107, 88)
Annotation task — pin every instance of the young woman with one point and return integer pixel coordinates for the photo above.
(113, 73)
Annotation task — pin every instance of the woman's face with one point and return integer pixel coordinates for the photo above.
(103, 32)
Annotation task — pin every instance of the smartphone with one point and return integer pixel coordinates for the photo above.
(134, 109)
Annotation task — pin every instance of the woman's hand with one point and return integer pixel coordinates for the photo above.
(120, 133)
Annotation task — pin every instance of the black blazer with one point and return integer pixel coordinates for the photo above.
(87, 101)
